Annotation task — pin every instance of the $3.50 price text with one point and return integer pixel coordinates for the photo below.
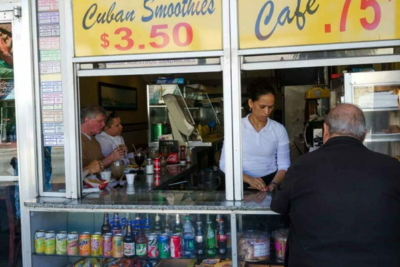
(182, 35)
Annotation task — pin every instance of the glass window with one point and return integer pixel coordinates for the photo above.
(8, 123)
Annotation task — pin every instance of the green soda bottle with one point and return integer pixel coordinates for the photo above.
(211, 249)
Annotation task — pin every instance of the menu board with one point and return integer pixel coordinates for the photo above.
(49, 44)
(107, 27)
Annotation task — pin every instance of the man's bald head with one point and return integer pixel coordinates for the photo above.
(346, 120)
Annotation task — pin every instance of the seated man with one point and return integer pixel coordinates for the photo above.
(93, 161)
(110, 138)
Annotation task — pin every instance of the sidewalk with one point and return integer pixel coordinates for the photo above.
(8, 147)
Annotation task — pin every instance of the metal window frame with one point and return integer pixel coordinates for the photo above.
(72, 73)
(25, 98)
(38, 108)
(318, 47)
(236, 149)
(238, 56)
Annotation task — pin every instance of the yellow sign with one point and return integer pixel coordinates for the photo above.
(278, 23)
(110, 27)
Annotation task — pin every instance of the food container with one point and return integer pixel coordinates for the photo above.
(95, 183)
(254, 246)
(280, 239)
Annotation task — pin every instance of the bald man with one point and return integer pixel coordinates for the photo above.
(343, 200)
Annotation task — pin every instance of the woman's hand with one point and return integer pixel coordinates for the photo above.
(256, 183)
(272, 186)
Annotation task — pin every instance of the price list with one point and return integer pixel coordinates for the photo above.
(276, 23)
(50, 72)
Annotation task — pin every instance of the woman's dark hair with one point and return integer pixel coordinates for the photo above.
(109, 121)
(259, 87)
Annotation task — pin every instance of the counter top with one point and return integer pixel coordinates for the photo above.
(160, 200)
(148, 193)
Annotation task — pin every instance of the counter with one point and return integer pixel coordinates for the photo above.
(148, 195)
(159, 201)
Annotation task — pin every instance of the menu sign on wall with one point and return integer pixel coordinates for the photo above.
(50, 70)
(276, 23)
(109, 27)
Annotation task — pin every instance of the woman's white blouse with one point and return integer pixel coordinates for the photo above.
(264, 152)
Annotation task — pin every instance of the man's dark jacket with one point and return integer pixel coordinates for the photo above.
(344, 205)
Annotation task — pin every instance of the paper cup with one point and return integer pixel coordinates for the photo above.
(106, 175)
(130, 177)
(130, 189)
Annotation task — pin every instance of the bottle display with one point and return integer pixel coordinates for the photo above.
(157, 227)
(222, 240)
(188, 239)
(177, 226)
(141, 245)
(211, 249)
(129, 242)
(167, 228)
(116, 228)
(152, 243)
(199, 240)
(106, 227)
(147, 226)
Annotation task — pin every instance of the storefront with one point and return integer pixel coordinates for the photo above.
(126, 55)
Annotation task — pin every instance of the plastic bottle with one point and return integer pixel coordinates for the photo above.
(147, 225)
(222, 240)
(116, 228)
(137, 227)
(188, 239)
(199, 241)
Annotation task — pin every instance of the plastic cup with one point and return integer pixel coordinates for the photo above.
(106, 175)
(130, 177)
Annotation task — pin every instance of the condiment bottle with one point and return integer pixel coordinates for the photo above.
(149, 166)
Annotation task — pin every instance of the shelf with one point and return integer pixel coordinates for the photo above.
(380, 109)
(157, 106)
(382, 138)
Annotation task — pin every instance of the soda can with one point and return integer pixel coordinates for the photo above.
(72, 243)
(117, 246)
(96, 243)
(163, 246)
(84, 244)
(175, 244)
(39, 241)
(107, 245)
(152, 247)
(61, 243)
(50, 243)
(158, 131)
(157, 165)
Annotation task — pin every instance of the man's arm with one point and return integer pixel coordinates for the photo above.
(281, 195)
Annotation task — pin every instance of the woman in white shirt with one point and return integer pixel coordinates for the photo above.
(266, 155)
(110, 138)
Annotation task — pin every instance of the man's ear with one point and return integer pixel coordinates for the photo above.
(326, 133)
(365, 135)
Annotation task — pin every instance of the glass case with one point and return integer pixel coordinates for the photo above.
(377, 94)
(151, 239)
